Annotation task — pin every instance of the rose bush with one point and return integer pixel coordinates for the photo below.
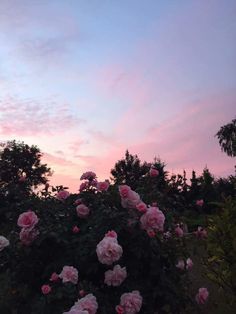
(109, 248)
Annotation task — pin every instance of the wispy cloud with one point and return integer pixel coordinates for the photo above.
(29, 117)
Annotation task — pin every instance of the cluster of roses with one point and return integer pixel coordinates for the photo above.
(109, 251)
(91, 181)
(27, 221)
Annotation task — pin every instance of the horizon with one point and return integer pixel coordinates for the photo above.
(85, 81)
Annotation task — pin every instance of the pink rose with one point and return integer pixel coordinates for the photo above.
(82, 211)
(181, 264)
(89, 175)
(179, 232)
(141, 207)
(199, 203)
(27, 219)
(83, 186)
(28, 235)
(111, 234)
(116, 276)
(75, 229)
(87, 304)
(103, 186)
(201, 233)
(46, 289)
(108, 250)
(153, 172)
(78, 201)
(153, 219)
(54, 277)
(189, 263)
(124, 190)
(69, 274)
(131, 200)
(3, 243)
(62, 195)
(131, 302)
(202, 295)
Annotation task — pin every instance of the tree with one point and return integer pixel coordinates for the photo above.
(227, 138)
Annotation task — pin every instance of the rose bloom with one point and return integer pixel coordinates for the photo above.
(131, 302)
(82, 211)
(69, 274)
(62, 195)
(103, 186)
(108, 250)
(88, 304)
(189, 263)
(131, 200)
(27, 219)
(179, 232)
(83, 186)
(202, 295)
(46, 289)
(75, 229)
(116, 276)
(199, 203)
(153, 172)
(124, 190)
(153, 219)
(181, 264)
(141, 207)
(89, 175)
(4, 242)
(201, 233)
(54, 277)
(28, 235)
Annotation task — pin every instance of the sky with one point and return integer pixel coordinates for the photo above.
(86, 80)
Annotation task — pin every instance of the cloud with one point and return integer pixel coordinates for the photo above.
(27, 117)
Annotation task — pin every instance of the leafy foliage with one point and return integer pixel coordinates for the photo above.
(227, 138)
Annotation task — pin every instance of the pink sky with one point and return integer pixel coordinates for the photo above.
(87, 80)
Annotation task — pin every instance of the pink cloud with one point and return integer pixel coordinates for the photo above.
(27, 117)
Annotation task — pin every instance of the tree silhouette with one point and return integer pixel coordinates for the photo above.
(227, 138)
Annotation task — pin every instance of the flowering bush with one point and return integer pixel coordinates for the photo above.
(109, 249)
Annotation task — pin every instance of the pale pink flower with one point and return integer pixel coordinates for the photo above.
(75, 229)
(202, 295)
(54, 277)
(28, 235)
(179, 232)
(108, 250)
(153, 219)
(103, 186)
(180, 264)
(62, 195)
(82, 211)
(111, 234)
(141, 207)
(131, 200)
(83, 186)
(131, 302)
(153, 172)
(201, 233)
(75, 311)
(116, 276)
(4, 242)
(89, 175)
(199, 203)
(69, 274)
(189, 263)
(27, 219)
(46, 289)
(124, 190)
(87, 303)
